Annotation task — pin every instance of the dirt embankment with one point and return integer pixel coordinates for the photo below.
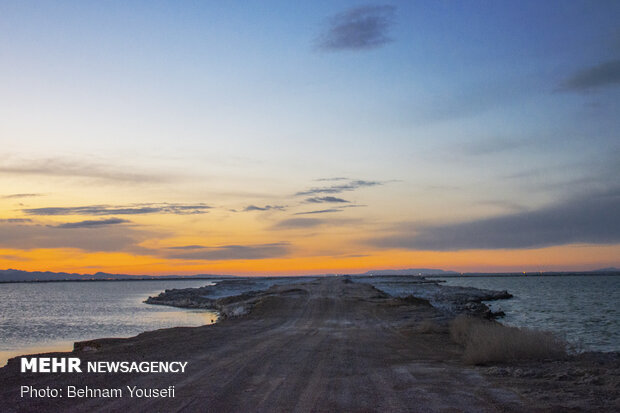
(326, 345)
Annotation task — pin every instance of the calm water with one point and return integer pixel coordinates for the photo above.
(51, 316)
(585, 310)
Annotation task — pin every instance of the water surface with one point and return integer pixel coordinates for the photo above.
(38, 317)
(584, 309)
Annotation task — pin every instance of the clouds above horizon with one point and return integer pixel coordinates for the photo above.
(90, 223)
(69, 168)
(606, 74)
(491, 146)
(294, 223)
(320, 211)
(92, 238)
(250, 208)
(335, 178)
(15, 220)
(336, 189)
(134, 209)
(593, 219)
(230, 252)
(360, 28)
(325, 199)
(19, 196)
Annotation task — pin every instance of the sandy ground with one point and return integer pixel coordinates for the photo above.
(325, 346)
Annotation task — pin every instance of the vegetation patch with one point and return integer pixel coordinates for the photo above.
(490, 342)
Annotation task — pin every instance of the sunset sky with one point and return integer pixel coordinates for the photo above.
(278, 137)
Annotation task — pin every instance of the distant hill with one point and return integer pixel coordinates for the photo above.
(410, 271)
(12, 275)
(608, 269)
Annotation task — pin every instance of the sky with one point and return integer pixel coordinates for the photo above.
(277, 137)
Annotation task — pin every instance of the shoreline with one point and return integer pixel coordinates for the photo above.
(331, 343)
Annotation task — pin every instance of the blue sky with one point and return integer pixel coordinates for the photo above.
(461, 112)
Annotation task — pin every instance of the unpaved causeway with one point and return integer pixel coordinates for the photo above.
(329, 345)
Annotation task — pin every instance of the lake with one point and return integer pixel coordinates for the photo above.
(583, 309)
(36, 317)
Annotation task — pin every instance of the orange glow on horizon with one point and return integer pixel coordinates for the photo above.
(564, 258)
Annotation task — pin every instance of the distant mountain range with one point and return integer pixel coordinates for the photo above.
(11, 275)
(608, 269)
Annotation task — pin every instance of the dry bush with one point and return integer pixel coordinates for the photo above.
(460, 328)
(487, 341)
(428, 327)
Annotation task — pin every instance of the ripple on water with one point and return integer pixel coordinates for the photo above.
(583, 309)
(36, 317)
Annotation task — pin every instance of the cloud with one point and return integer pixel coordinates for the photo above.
(293, 223)
(336, 189)
(602, 75)
(321, 211)
(106, 238)
(136, 209)
(506, 205)
(16, 196)
(15, 220)
(231, 252)
(328, 199)
(591, 219)
(492, 146)
(361, 28)
(14, 258)
(77, 169)
(92, 223)
(337, 178)
(265, 208)
(187, 247)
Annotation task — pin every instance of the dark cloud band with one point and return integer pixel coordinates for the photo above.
(320, 211)
(602, 75)
(93, 223)
(178, 209)
(231, 252)
(358, 29)
(326, 199)
(336, 189)
(250, 208)
(592, 220)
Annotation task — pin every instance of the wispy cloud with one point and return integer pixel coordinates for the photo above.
(18, 196)
(326, 199)
(336, 189)
(505, 205)
(605, 74)
(293, 223)
(92, 223)
(593, 219)
(61, 167)
(320, 211)
(361, 28)
(492, 146)
(187, 247)
(103, 238)
(231, 252)
(13, 257)
(136, 209)
(336, 178)
(265, 208)
(15, 220)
